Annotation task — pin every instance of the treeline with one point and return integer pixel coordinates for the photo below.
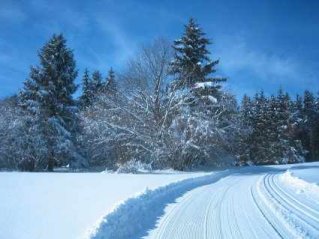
(165, 110)
(279, 129)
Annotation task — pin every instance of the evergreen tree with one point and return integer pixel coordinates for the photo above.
(273, 130)
(298, 117)
(204, 118)
(298, 105)
(87, 94)
(47, 96)
(110, 84)
(243, 139)
(246, 110)
(97, 84)
(192, 63)
(315, 140)
(261, 121)
(309, 105)
(286, 148)
(309, 113)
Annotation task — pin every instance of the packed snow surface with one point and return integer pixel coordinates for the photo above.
(132, 218)
(251, 202)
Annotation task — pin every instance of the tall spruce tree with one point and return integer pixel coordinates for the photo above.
(204, 119)
(97, 84)
(286, 149)
(87, 94)
(191, 63)
(261, 124)
(315, 141)
(298, 105)
(243, 143)
(110, 83)
(48, 96)
(246, 110)
(309, 113)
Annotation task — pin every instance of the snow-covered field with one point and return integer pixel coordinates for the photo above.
(252, 202)
(66, 205)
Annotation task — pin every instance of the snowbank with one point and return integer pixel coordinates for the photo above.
(300, 185)
(292, 213)
(308, 173)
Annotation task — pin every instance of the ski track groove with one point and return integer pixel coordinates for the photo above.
(241, 205)
(251, 227)
(219, 217)
(299, 216)
(263, 214)
(308, 211)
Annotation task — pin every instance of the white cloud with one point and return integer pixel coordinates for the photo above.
(238, 56)
(124, 45)
(252, 69)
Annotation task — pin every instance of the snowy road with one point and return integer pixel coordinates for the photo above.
(243, 205)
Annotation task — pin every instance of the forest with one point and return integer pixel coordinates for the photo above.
(166, 109)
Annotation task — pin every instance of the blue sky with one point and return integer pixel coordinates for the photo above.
(260, 44)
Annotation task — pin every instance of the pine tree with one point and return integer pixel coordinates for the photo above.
(273, 130)
(309, 113)
(27, 98)
(246, 108)
(244, 123)
(298, 119)
(315, 141)
(48, 96)
(309, 104)
(110, 84)
(287, 149)
(97, 84)
(205, 118)
(298, 105)
(261, 123)
(87, 94)
(192, 63)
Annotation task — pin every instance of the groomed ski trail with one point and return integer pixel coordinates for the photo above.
(240, 206)
(258, 202)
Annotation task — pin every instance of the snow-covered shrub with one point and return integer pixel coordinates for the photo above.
(202, 129)
(20, 143)
(134, 166)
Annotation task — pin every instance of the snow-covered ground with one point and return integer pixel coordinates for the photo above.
(307, 173)
(251, 202)
(66, 205)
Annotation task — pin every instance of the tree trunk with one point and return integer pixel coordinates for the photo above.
(50, 164)
(51, 160)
